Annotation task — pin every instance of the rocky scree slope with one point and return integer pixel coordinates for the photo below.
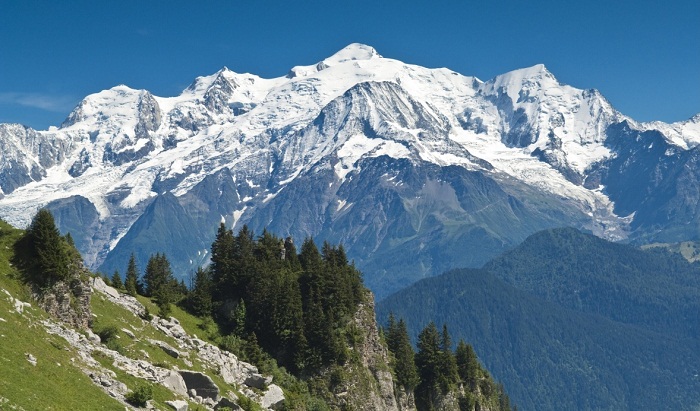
(407, 166)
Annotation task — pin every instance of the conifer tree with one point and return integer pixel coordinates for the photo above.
(42, 253)
(200, 297)
(117, 280)
(222, 263)
(428, 362)
(404, 358)
(132, 283)
(467, 364)
(448, 366)
(160, 284)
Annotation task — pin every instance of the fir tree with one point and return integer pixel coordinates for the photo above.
(200, 297)
(117, 280)
(467, 364)
(448, 366)
(131, 280)
(404, 358)
(428, 362)
(43, 254)
(222, 263)
(160, 284)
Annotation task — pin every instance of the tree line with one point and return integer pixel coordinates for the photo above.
(435, 370)
(265, 296)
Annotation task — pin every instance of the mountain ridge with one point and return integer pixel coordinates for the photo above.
(122, 148)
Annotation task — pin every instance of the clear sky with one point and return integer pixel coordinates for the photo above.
(643, 55)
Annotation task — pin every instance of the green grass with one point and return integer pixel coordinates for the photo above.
(55, 383)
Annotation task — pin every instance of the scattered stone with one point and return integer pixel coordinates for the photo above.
(178, 405)
(98, 284)
(31, 359)
(3, 320)
(257, 381)
(175, 383)
(92, 337)
(20, 306)
(128, 332)
(226, 403)
(202, 383)
(168, 349)
(273, 398)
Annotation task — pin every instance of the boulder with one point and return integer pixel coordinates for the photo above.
(178, 405)
(201, 383)
(273, 398)
(257, 381)
(226, 403)
(98, 284)
(175, 383)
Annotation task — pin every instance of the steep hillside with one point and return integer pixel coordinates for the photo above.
(52, 362)
(414, 170)
(652, 289)
(551, 357)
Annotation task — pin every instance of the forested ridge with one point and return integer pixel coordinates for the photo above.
(570, 321)
(294, 313)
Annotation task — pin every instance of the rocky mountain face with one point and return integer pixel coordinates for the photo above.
(414, 170)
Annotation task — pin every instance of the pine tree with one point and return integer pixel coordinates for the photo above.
(43, 254)
(222, 263)
(404, 358)
(131, 280)
(467, 364)
(200, 297)
(428, 362)
(159, 283)
(448, 366)
(117, 280)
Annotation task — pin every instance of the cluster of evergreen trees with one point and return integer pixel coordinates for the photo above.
(296, 307)
(43, 255)
(158, 282)
(435, 370)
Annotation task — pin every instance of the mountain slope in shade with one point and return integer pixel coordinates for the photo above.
(653, 289)
(415, 170)
(550, 357)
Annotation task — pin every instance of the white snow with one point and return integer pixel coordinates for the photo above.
(273, 119)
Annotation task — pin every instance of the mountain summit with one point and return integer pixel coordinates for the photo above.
(415, 170)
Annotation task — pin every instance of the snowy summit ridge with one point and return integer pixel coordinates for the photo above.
(121, 149)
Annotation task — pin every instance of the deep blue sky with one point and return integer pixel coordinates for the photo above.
(643, 55)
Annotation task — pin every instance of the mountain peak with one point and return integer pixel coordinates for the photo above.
(538, 72)
(354, 51)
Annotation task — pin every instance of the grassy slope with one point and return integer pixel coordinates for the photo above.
(54, 383)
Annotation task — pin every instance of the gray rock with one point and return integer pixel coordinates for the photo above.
(202, 383)
(175, 383)
(98, 284)
(225, 402)
(31, 359)
(273, 398)
(178, 405)
(257, 381)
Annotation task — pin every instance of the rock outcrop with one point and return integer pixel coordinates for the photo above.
(69, 301)
(196, 386)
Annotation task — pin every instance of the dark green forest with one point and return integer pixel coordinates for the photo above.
(582, 323)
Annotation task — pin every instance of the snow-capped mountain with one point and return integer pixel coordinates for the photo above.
(415, 170)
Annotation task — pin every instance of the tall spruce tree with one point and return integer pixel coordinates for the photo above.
(43, 254)
(160, 283)
(404, 358)
(199, 298)
(449, 374)
(467, 364)
(132, 284)
(117, 280)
